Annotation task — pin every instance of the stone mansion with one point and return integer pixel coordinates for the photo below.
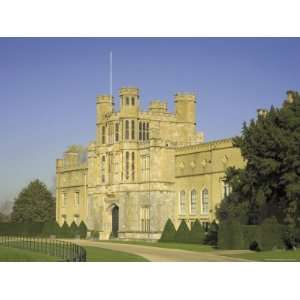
(143, 168)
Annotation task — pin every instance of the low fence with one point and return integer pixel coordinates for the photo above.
(65, 250)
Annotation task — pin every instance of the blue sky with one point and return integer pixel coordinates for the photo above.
(48, 88)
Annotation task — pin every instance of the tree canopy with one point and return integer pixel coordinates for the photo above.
(269, 185)
(35, 203)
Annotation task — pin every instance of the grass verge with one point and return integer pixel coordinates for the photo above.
(270, 256)
(18, 255)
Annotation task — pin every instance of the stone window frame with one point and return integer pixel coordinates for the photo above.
(127, 125)
(193, 202)
(145, 218)
(127, 158)
(117, 132)
(77, 199)
(132, 101)
(103, 134)
(103, 162)
(205, 206)
(132, 129)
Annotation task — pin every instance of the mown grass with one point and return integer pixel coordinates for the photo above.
(180, 246)
(95, 254)
(271, 256)
(20, 255)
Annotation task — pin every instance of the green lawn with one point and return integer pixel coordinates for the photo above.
(189, 247)
(271, 256)
(18, 255)
(105, 255)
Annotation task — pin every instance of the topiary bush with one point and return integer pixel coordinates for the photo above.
(65, 231)
(169, 232)
(183, 233)
(211, 237)
(271, 234)
(230, 235)
(74, 230)
(82, 229)
(197, 233)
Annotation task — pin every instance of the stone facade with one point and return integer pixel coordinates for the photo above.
(143, 168)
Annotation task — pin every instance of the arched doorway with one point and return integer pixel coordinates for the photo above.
(114, 221)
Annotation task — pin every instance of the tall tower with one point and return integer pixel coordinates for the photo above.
(185, 105)
(129, 101)
(105, 105)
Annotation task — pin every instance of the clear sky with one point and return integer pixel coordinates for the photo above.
(48, 88)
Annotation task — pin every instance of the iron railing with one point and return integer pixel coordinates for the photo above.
(66, 251)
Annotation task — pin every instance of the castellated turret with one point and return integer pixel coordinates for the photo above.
(129, 100)
(185, 107)
(105, 105)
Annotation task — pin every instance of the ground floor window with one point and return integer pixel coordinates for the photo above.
(145, 219)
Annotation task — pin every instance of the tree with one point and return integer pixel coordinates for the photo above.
(269, 185)
(65, 231)
(169, 232)
(74, 230)
(183, 233)
(50, 228)
(34, 204)
(82, 229)
(197, 233)
(212, 235)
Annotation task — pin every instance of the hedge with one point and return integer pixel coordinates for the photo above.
(197, 233)
(230, 235)
(183, 233)
(271, 234)
(211, 237)
(169, 232)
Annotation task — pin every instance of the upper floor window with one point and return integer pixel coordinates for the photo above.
(103, 169)
(140, 131)
(127, 165)
(193, 202)
(117, 132)
(103, 134)
(132, 130)
(132, 165)
(147, 131)
(132, 101)
(205, 208)
(144, 131)
(126, 130)
(182, 202)
(127, 100)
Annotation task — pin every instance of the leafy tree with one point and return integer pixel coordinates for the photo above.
(197, 233)
(82, 229)
(183, 233)
(34, 204)
(269, 185)
(169, 232)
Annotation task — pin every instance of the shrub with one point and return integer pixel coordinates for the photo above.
(169, 232)
(197, 233)
(211, 237)
(74, 230)
(82, 229)
(183, 233)
(251, 237)
(230, 235)
(65, 231)
(271, 234)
